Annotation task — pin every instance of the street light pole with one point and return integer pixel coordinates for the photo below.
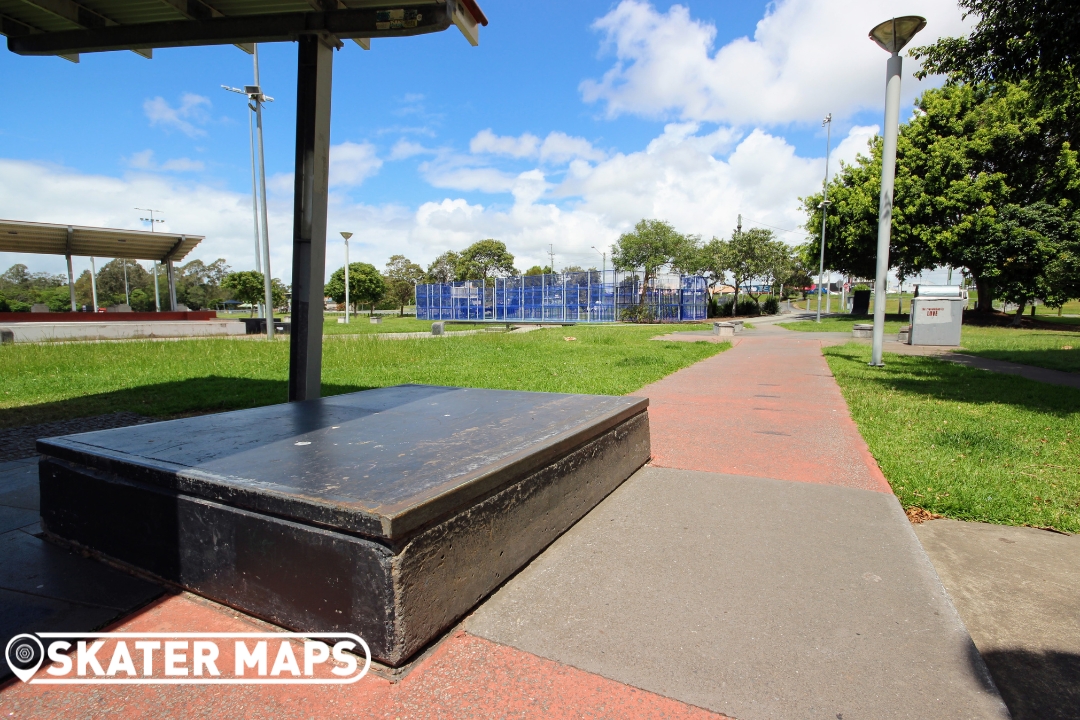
(891, 36)
(827, 122)
(346, 235)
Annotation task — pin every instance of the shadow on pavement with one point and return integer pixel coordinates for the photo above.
(1037, 685)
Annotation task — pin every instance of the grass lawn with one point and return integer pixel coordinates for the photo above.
(965, 443)
(1057, 350)
(893, 323)
(361, 325)
(56, 381)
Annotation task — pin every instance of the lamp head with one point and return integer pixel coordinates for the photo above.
(892, 35)
(346, 235)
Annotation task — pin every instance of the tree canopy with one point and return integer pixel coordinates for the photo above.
(484, 259)
(366, 285)
(402, 275)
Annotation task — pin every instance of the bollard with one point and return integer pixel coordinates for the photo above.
(437, 328)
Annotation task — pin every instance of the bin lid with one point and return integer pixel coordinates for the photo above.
(939, 291)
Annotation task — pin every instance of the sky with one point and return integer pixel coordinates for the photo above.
(569, 123)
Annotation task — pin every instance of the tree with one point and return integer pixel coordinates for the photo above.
(652, 244)
(537, 270)
(444, 268)
(485, 258)
(198, 285)
(748, 256)
(366, 285)
(402, 275)
(247, 287)
(1018, 41)
(713, 262)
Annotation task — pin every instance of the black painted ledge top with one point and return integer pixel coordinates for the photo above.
(379, 462)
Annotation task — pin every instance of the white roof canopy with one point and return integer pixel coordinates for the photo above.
(49, 239)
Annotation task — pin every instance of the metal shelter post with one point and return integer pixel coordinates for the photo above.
(170, 275)
(71, 275)
(314, 72)
(93, 283)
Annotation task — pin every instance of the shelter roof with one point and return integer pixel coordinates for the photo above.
(67, 27)
(49, 239)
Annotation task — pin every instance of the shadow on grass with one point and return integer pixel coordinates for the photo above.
(923, 376)
(212, 393)
(1050, 358)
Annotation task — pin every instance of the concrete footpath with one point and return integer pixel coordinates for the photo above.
(758, 568)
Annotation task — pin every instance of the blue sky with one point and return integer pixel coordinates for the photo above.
(563, 127)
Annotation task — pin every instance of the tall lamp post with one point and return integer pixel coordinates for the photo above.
(827, 123)
(256, 99)
(346, 235)
(891, 36)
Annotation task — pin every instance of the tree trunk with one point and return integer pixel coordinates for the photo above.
(985, 302)
(1019, 313)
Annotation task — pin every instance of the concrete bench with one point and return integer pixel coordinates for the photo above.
(388, 513)
(862, 330)
(724, 329)
(375, 320)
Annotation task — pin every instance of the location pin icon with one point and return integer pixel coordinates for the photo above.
(24, 654)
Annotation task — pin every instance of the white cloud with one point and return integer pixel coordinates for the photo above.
(186, 117)
(807, 58)
(144, 160)
(524, 146)
(560, 148)
(557, 148)
(404, 149)
(352, 163)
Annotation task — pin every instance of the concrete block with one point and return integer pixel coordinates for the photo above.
(375, 320)
(904, 336)
(39, 308)
(438, 328)
(6, 336)
(862, 330)
(390, 513)
(724, 329)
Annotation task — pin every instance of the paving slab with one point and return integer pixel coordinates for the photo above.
(752, 597)
(464, 678)
(1018, 592)
(769, 407)
(19, 485)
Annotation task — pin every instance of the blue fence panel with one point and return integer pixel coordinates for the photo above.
(586, 297)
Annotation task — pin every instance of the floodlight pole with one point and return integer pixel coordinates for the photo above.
(824, 207)
(268, 282)
(346, 235)
(313, 83)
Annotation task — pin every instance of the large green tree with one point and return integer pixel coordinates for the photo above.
(484, 259)
(198, 285)
(366, 285)
(444, 268)
(402, 275)
(650, 246)
(245, 286)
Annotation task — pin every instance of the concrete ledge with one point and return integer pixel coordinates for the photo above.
(62, 331)
(390, 513)
(862, 330)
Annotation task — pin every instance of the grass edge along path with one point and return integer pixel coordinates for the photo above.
(42, 383)
(965, 443)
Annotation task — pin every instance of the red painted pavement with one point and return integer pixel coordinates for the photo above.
(465, 677)
(768, 407)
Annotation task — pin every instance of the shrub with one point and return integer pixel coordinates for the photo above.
(723, 306)
(20, 306)
(637, 314)
(747, 306)
(771, 306)
(861, 286)
(5, 306)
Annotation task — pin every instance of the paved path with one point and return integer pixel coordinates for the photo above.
(1016, 590)
(768, 408)
(708, 583)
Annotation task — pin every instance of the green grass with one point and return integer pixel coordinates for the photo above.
(361, 325)
(893, 323)
(56, 381)
(964, 443)
(1043, 348)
